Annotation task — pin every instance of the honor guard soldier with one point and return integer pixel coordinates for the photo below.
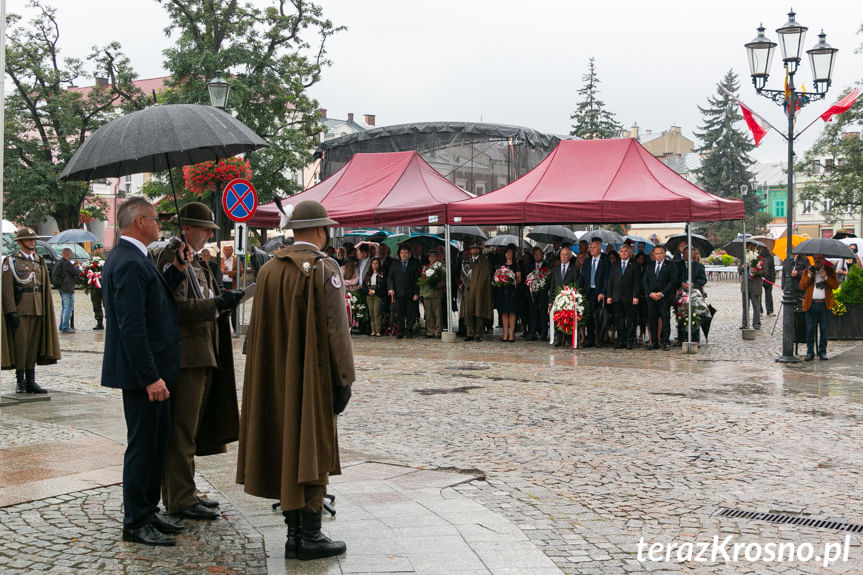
(30, 334)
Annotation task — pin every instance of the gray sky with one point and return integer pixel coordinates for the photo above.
(521, 62)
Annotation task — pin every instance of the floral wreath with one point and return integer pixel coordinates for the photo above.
(567, 309)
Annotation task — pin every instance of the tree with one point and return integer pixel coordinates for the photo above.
(271, 65)
(725, 167)
(838, 187)
(591, 119)
(46, 122)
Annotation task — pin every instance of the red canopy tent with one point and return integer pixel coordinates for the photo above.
(595, 181)
(389, 189)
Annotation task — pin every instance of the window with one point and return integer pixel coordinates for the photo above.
(807, 206)
(828, 206)
(779, 208)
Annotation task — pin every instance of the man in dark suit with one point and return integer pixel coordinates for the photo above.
(659, 281)
(565, 273)
(142, 357)
(624, 293)
(594, 283)
(699, 280)
(403, 290)
(538, 302)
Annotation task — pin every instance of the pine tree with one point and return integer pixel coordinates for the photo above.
(725, 166)
(591, 119)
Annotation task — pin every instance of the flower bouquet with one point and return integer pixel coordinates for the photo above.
(92, 273)
(358, 307)
(699, 309)
(756, 266)
(503, 277)
(567, 309)
(537, 280)
(430, 278)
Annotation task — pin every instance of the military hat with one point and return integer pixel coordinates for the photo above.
(198, 215)
(306, 214)
(474, 243)
(26, 234)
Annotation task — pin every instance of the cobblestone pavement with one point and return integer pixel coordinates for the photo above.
(587, 452)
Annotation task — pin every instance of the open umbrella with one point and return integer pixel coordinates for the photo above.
(393, 242)
(160, 138)
(781, 245)
(462, 233)
(607, 236)
(841, 235)
(376, 236)
(648, 245)
(735, 246)
(829, 247)
(504, 240)
(854, 241)
(704, 247)
(767, 241)
(9, 227)
(552, 233)
(73, 236)
(275, 243)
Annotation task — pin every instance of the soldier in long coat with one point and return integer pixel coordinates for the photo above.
(30, 329)
(299, 371)
(476, 294)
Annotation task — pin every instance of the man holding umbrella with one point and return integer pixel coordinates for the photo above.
(818, 283)
(30, 336)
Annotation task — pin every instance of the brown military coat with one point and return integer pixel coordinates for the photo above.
(35, 341)
(299, 347)
(476, 279)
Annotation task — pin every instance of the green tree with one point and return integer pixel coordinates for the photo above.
(725, 166)
(271, 56)
(590, 119)
(837, 187)
(46, 122)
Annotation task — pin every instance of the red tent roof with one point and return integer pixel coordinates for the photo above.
(397, 188)
(594, 181)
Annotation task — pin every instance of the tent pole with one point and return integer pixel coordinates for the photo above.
(689, 286)
(745, 282)
(447, 305)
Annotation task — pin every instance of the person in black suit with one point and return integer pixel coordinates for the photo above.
(699, 280)
(142, 357)
(403, 290)
(659, 281)
(624, 293)
(537, 299)
(594, 283)
(565, 273)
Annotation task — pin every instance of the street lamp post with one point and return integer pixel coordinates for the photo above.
(821, 57)
(218, 88)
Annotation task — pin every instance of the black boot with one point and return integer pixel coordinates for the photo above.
(21, 387)
(292, 520)
(313, 544)
(32, 386)
(99, 325)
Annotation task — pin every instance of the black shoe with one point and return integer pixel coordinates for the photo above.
(619, 346)
(558, 343)
(400, 336)
(162, 525)
(197, 511)
(809, 357)
(148, 536)
(292, 520)
(654, 346)
(469, 338)
(666, 347)
(312, 543)
(823, 356)
(208, 503)
(589, 344)
(629, 346)
(30, 382)
(21, 386)
(98, 325)
(478, 338)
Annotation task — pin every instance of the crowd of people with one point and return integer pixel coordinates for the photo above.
(628, 292)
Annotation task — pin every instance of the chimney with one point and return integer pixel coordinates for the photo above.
(323, 113)
(350, 116)
(675, 129)
(370, 119)
(633, 133)
(101, 82)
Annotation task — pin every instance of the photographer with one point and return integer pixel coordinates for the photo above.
(818, 283)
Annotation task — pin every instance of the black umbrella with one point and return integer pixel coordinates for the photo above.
(462, 233)
(161, 138)
(700, 243)
(828, 247)
(735, 247)
(74, 236)
(275, 243)
(504, 240)
(552, 233)
(607, 236)
(706, 320)
(843, 235)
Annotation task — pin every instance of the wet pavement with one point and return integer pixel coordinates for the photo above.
(483, 457)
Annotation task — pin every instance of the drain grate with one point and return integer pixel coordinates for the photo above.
(442, 391)
(798, 520)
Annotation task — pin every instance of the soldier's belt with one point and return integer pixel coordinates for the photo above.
(31, 290)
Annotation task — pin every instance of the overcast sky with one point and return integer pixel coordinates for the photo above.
(521, 62)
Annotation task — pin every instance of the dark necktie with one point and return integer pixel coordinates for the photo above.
(404, 266)
(562, 271)
(658, 267)
(623, 268)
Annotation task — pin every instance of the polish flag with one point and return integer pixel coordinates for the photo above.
(842, 105)
(756, 124)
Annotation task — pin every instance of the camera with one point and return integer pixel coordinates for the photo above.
(820, 284)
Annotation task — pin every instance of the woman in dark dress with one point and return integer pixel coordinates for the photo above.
(641, 311)
(506, 296)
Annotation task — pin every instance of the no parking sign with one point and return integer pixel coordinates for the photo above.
(239, 200)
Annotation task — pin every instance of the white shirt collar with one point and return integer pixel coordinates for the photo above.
(137, 243)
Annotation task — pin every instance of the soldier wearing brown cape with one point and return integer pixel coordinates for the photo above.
(476, 295)
(299, 372)
(30, 330)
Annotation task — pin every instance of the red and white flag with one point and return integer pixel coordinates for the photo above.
(756, 124)
(841, 106)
